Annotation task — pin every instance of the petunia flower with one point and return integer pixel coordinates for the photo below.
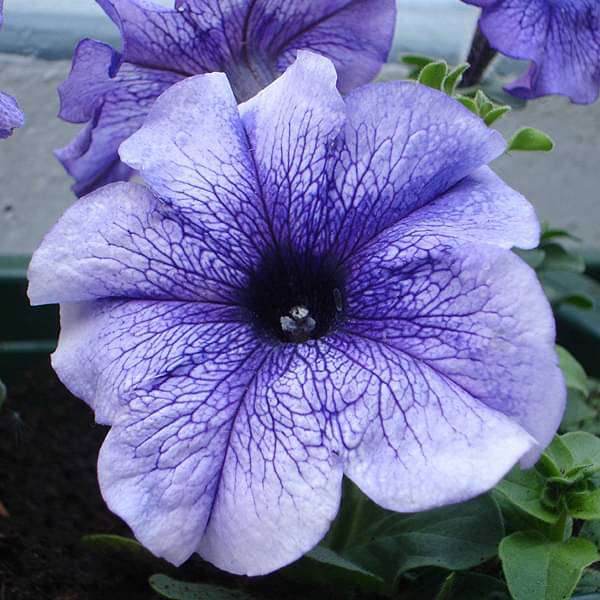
(309, 287)
(561, 38)
(11, 115)
(252, 41)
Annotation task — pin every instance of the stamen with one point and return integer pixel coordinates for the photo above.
(298, 325)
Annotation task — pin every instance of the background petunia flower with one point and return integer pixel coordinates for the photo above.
(561, 38)
(252, 41)
(11, 115)
(309, 287)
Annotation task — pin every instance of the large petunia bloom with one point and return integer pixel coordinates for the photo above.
(561, 38)
(252, 41)
(310, 287)
(11, 115)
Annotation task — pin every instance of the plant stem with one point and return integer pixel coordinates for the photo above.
(480, 56)
(557, 532)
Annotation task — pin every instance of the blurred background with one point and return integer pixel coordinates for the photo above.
(35, 49)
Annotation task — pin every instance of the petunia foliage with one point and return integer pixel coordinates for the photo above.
(560, 38)
(307, 287)
(252, 41)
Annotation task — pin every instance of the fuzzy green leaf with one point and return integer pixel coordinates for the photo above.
(496, 113)
(529, 139)
(525, 490)
(468, 103)
(433, 75)
(453, 79)
(538, 569)
(387, 543)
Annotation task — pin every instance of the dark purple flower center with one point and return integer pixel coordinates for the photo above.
(295, 298)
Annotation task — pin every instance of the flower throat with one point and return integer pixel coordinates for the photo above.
(295, 298)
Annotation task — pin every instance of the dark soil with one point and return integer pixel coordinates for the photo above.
(50, 498)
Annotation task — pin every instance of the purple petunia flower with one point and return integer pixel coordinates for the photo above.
(560, 37)
(310, 287)
(11, 116)
(252, 41)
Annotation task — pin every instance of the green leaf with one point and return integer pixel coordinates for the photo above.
(589, 582)
(534, 258)
(417, 60)
(529, 139)
(550, 234)
(560, 455)
(537, 569)
(525, 490)
(574, 373)
(584, 447)
(476, 586)
(584, 505)
(559, 258)
(484, 105)
(468, 103)
(181, 590)
(324, 567)
(496, 113)
(119, 548)
(577, 300)
(453, 79)
(386, 543)
(576, 412)
(433, 75)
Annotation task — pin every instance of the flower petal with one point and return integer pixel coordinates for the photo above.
(224, 457)
(291, 126)
(122, 242)
(415, 440)
(159, 37)
(11, 115)
(108, 347)
(473, 314)
(560, 38)
(479, 208)
(193, 151)
(114, 99)
(258, 40)
(405, 144)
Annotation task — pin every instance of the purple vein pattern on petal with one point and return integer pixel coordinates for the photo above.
(121, 242)
(252, 41)
(193, 152)
(223, 456)
(307, 291)
(560, 37)
(466, 314)
(291, 126)
(398, 155)
(113, 100)
(11, 116)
